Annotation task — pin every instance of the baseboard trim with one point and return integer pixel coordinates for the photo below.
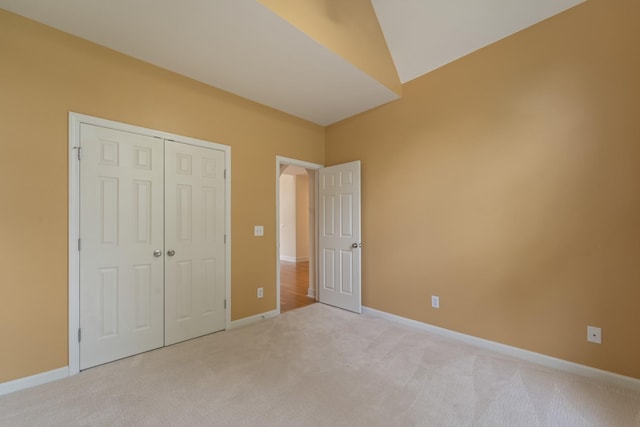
(253, 319)
(530, 356)
(33, 380)
(294, 259)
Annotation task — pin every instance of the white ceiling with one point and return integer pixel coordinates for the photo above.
(423, 35)
(242, 47)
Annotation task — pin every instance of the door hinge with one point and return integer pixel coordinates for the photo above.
(225, 239)
(79, 153)
(225, 174)
(79, 245)
(79, 334)
(225, 304)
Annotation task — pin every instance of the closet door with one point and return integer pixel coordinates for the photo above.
(194, 241)
(121, 246)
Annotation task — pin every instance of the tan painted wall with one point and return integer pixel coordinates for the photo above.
(288, 227)
(349, 28)
(44, 74)
(508, 183)
(302, 217)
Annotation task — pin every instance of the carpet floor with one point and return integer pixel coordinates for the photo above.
(321, 366)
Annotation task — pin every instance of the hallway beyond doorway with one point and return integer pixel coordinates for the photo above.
(294, 285)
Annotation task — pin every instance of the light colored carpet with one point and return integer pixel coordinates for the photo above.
(321, 366)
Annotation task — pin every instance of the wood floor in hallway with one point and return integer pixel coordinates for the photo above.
(294, 285)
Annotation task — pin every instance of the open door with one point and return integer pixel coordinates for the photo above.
(339, 239)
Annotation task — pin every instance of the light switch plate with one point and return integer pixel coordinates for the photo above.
(258, 230)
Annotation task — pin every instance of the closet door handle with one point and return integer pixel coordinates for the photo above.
(171, 252)
(157, 253)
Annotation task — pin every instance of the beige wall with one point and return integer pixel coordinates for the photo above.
(508, 183)
(302, 217)
(44, 74)
(294, 218)
(288, 227)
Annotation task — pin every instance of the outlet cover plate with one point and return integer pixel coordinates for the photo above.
(435, 301)
(594, 334)
(258, 230)
(260, 292)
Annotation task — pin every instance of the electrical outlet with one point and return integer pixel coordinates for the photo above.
(260, 292)
(594, 334)
(435, 301)
(258, 230)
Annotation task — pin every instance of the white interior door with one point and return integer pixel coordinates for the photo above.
(339, 236)
(121, 280)
(195, 241)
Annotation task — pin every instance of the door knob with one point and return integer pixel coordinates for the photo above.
(356, 245)
(171, 252)
(157, 253)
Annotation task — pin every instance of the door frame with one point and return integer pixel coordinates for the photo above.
(75, 120)
(280, 160)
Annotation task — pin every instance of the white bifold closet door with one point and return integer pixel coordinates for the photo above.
(152, 268)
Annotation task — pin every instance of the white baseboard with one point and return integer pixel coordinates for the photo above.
(311, 292)
(33, 380)
(253, 319)
(293, 259)
(530, 356)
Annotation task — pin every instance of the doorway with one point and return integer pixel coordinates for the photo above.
(334, 233)
(294, 239)
(297, 231)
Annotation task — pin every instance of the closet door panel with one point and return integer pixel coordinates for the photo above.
(121, 227)
(194, 237)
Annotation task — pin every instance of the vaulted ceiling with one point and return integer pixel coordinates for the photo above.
(249, 49)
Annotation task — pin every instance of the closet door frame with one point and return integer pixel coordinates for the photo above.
(75, 120)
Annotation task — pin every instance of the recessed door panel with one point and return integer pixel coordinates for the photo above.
(109, 151)
(184, 287)
(346, 215)
(108, 301)
(211, 284)
(109, 209)
(143, 158)
(142, 285)
(142, 211)
(346, 272)
(184, 214)
(328, 209)
(329, 269)
(209, 213)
